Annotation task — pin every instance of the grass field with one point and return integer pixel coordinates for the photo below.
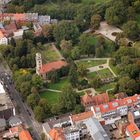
(105, 87)
(91, 75)
(60, 85)
(114, 68)
(91, 63)
(52, 97)
(96, 1)
(49, 54)
(105, 73)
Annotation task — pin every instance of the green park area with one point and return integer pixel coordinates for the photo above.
(95, 1)
(52, 97)
(49, 54)
(91, 63)
(104, 73)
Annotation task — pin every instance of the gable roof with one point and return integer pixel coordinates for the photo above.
(25, 135)
(52, 66)
(133, 131)
(57, 134)
(110, 106)
(81, 116)
(1, 34)
(96, 100)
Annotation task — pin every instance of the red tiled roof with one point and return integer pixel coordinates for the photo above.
(134, 131)
(19, 17)
(57, 134)
(110, 106)
(16, 129)
(25, 135)
(96, 100)
(81, 116)
(1, 34)
(52, 66)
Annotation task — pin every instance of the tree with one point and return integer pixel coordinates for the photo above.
(46, 108)
(67, 31)
(32, 100)
(127, 85)
(67, 99)
(82, 70)
(96, 82)
(78, 109)
(37, 81)
(73, 75)
(131, 29)
(39, 113)
(34, 90)
(53, 76)
(95, 21)
(13, 42)
(76, 53)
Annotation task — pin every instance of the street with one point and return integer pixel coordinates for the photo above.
(25, 114)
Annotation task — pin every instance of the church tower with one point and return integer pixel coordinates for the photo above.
(38, 62)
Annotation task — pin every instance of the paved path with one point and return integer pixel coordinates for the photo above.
(93, 91)
(53, 90)
(88, 59)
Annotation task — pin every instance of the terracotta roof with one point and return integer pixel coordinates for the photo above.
(96, 100)
(57, 134)
(25, 135)
(82, 116)
(18, 17)
(1, 34)
(100, 98)
(110, 106)
(16, 129)
(52, 66)
(133, 131)
(86, 98)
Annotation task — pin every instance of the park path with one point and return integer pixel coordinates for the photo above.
(93, 91)
(96, 68)
(53, 90)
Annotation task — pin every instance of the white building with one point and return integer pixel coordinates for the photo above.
(18, 34)
(3, 39)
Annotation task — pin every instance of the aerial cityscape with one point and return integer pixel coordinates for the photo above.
(69, 69)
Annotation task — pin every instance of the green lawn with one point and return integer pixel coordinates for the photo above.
(52, 97)
(91, 75)
(114, 68)
(49, 54)
(105, 87)
(60, 85)
(105, 73)
(91, 63)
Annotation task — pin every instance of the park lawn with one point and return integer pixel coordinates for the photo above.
(105, 73)
(52, 97)
(91, 75)
(49, 54)
(60, 85)
(114, 68)
(91, 63)
(105, 87)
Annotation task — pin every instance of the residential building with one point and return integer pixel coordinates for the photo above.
(89, 99)
(18, 34)
(133, 131)
(95, 129)
(44, 19)
(44, 69)
(24, 135)
(13, 132)
(7, 108)
(134, 117)
(77, 118)
(112, 111)
(14, 121)
(2, 124)
(3, 39)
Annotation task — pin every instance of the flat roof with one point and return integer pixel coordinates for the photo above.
(5, 101)
(1, 88)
